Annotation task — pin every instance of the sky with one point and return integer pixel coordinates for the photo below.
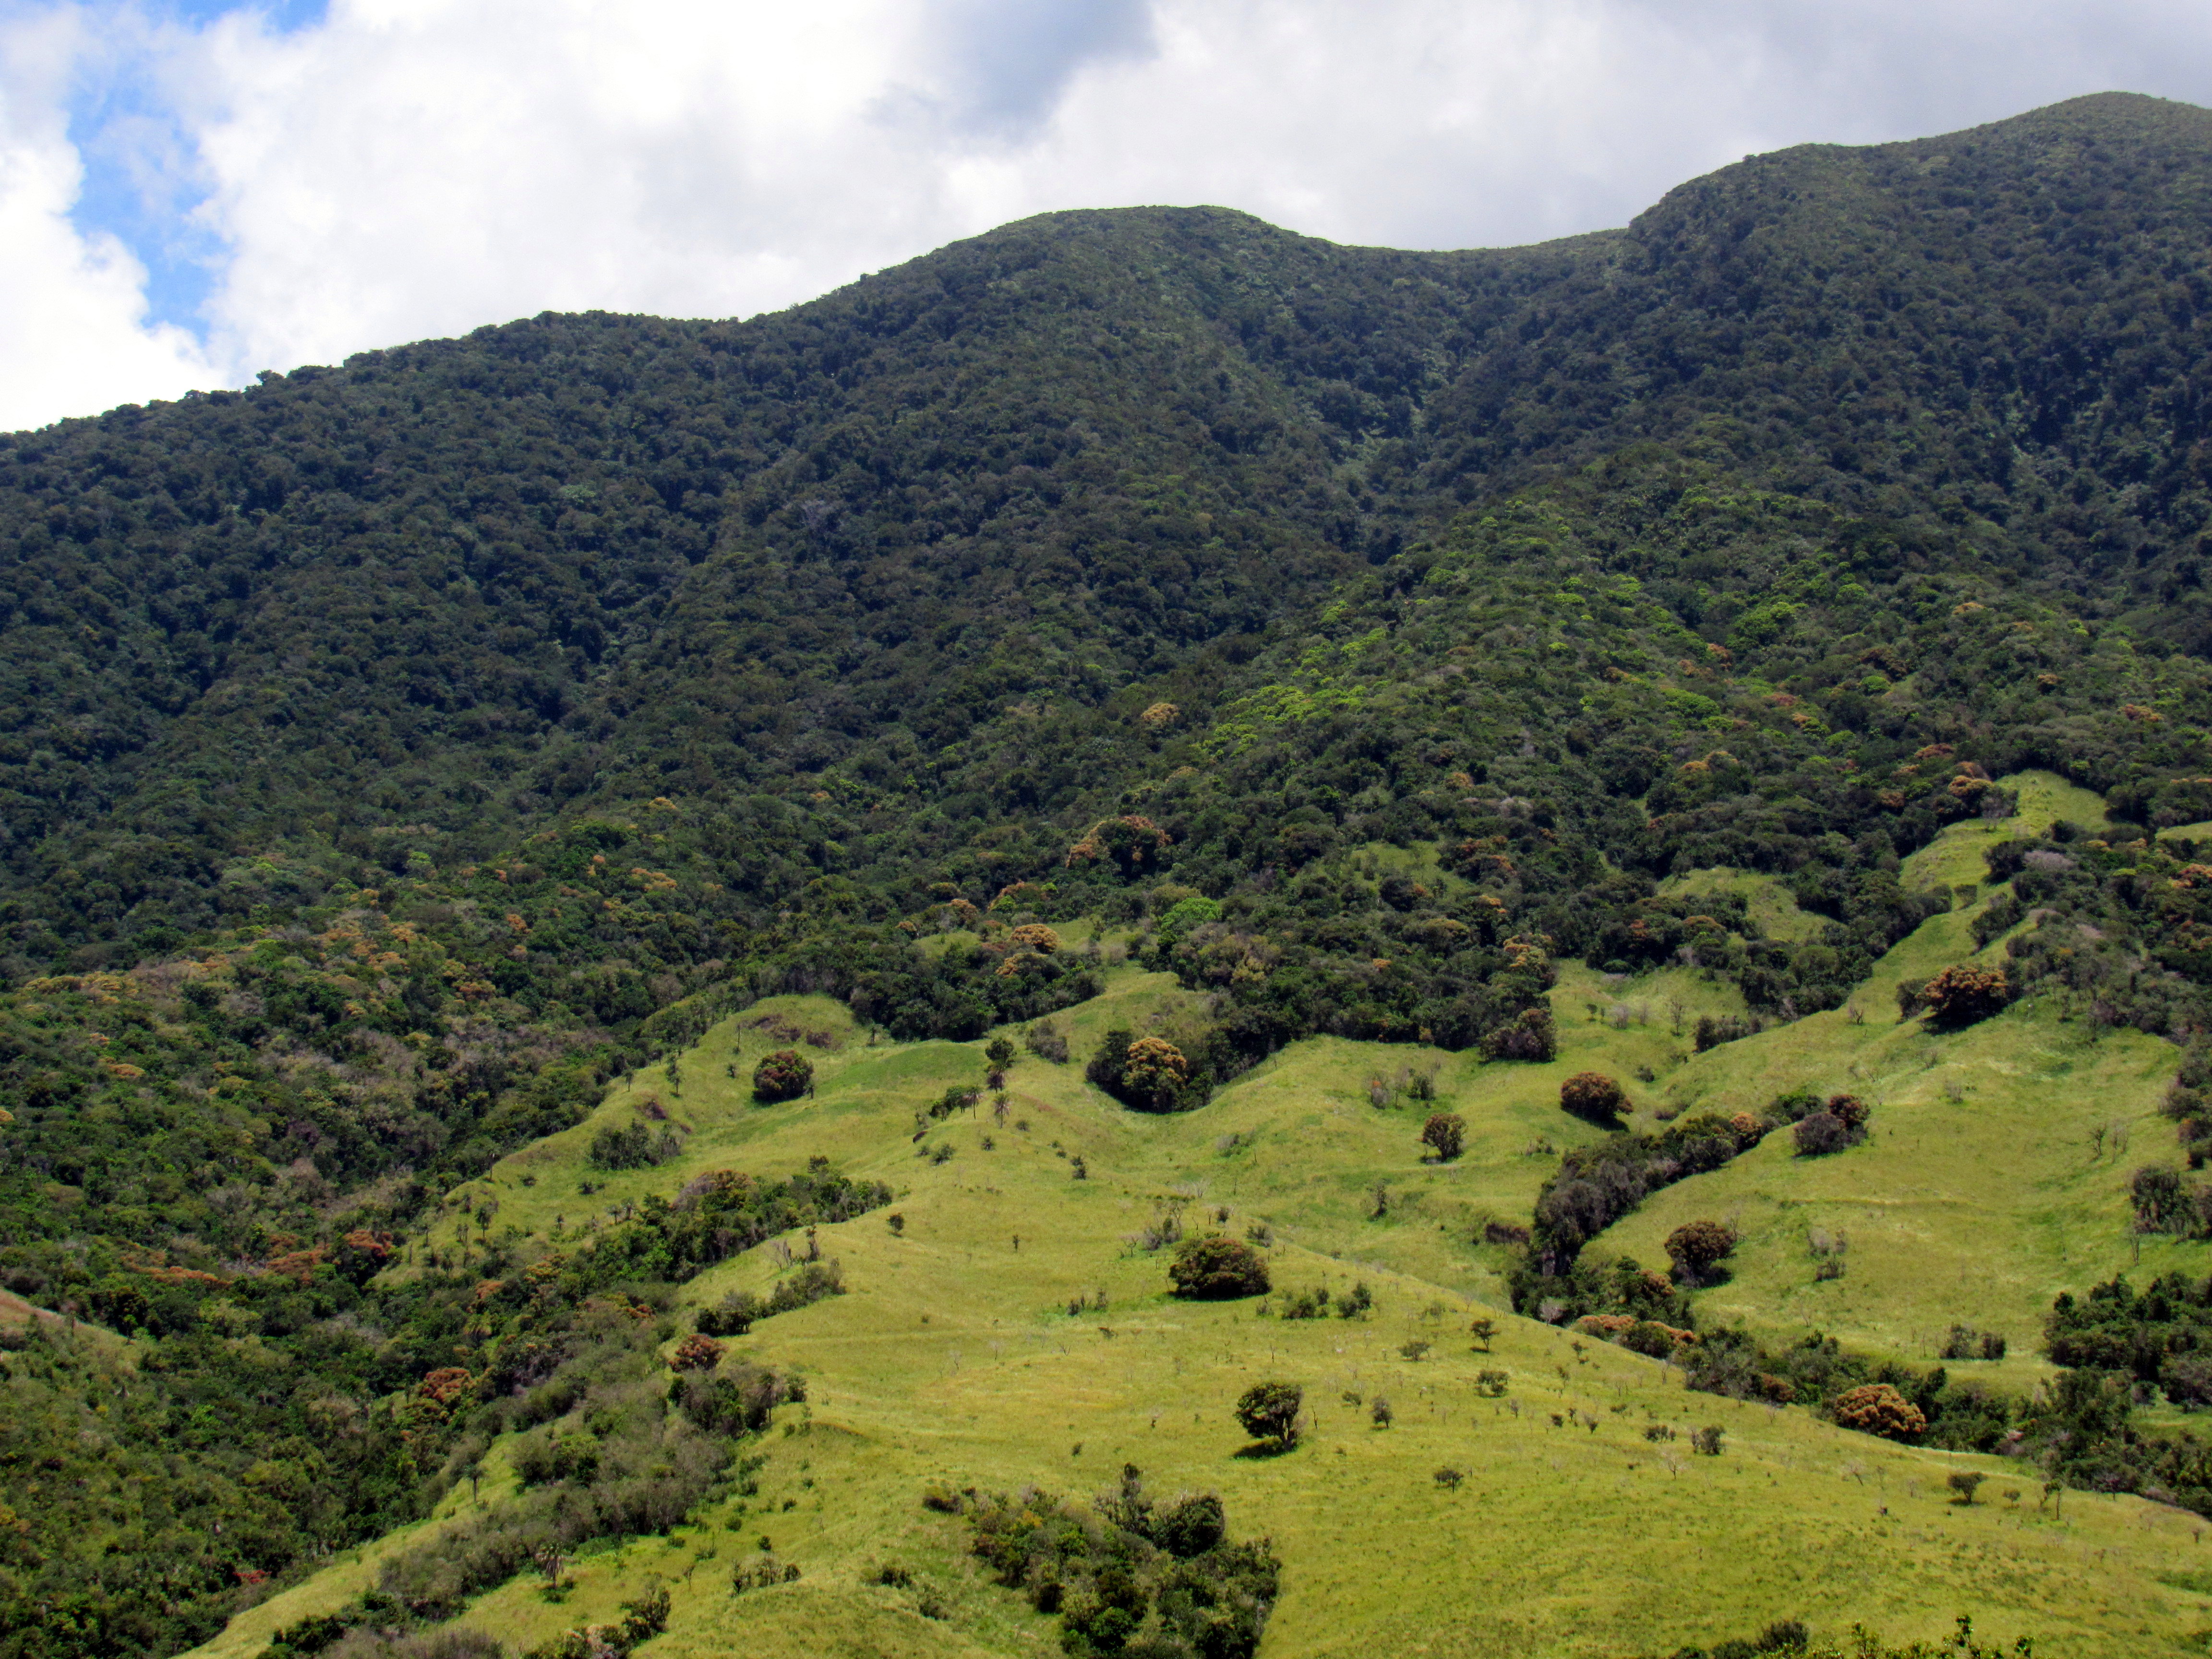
(191, 191)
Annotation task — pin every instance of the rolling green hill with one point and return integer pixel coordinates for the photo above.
(1755, 656)
(954, 1359)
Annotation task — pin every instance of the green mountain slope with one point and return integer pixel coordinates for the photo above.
(1999, 331)
(957, 1357)
(1297, 676)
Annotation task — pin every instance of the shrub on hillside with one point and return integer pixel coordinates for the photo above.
(1961, 995)
(1659, 1341)
(784, 1075)
(1047, 1042)
(1822, 1134)
(1593, 1096)
(736, 1313)
(1598, 1184)
(1213, 1268)
(1131, 846)
(633, 1147)
(1445, 1133)
(1879, 1408)
(1711, 1032)
(1269, 1412)
(1126, 1575)
(1149, 1073)
(1964, 1342)
(1531, 1036)
(1155, 1072)
(697, 1353)
(1697, 1248)
(2166, 1203)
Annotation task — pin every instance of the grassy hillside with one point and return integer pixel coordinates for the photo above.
(1996, 1175)
(954, 1358)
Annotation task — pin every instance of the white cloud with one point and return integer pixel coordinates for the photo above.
(73, 336)
(411, 168)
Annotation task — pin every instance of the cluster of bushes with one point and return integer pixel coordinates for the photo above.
(1788, 1638)
(1877, 1396)
(1650, 1337)
(736, 1313)
(2121, 928)
(635, 1146)
(2166, 1201)
(1964, 1342)
(1822, 1126)
(1869, 912)
(1130, 1573)
(957, 990)
(2161, 1335)
(1317, 1303)
(713, 1216)
(1596, 1185)
(1330, 956)
(608, 1446)
(564, 1353)
(1713, 1030)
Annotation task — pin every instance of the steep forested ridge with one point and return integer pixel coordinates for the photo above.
(395, 752)
(2003, 329)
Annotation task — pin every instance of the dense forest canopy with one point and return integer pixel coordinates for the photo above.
(394, 752)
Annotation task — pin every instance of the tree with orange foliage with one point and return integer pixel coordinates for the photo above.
(1878, 1408)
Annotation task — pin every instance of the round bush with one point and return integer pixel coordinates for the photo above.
(697, 1353)
(784, 1075)
(1649, 1336)
(1822, 1133)
(1962, 994)
(1445, 1133)
(1878, 1408)
(1592, 1095)
(1213, 1268)
(1697, 1247)
(1269, 1411)
(1155, 1072)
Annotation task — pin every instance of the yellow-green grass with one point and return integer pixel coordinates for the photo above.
(954, 1358)
(1995, 1174)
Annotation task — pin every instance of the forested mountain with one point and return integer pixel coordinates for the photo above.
(396, 752)
(473, 584)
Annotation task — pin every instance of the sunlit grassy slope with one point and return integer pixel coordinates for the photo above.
(955, 1357)
(1995, 1174)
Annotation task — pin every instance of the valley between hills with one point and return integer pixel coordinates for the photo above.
(1148, 939)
